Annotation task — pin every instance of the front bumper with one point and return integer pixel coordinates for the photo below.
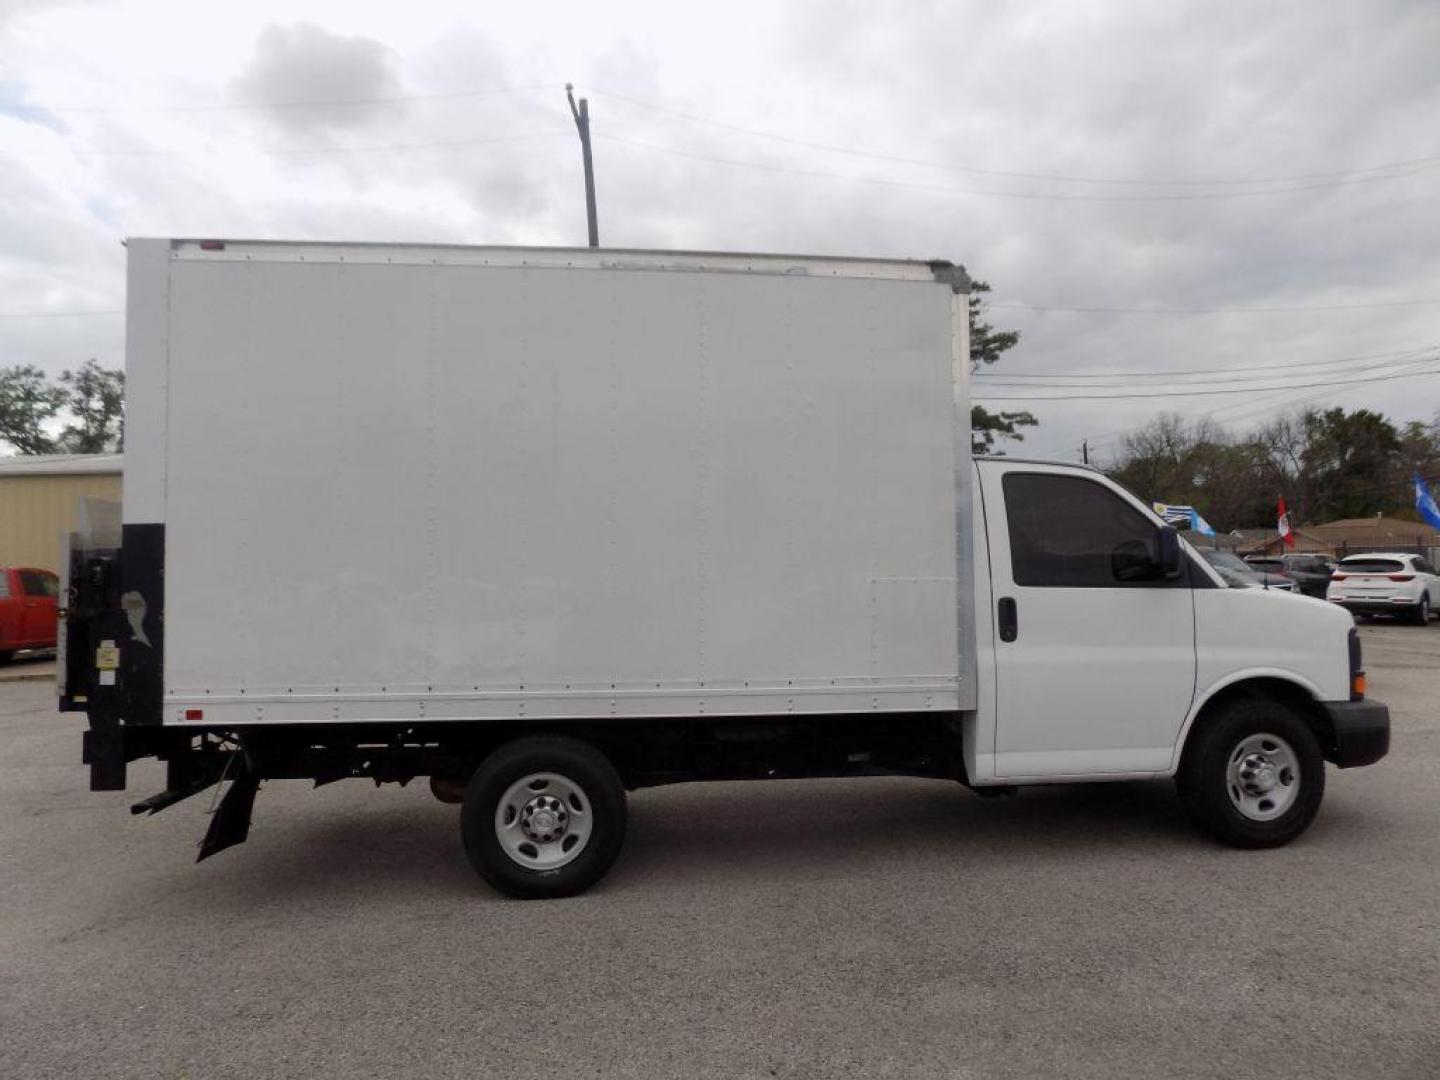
(1362, 732)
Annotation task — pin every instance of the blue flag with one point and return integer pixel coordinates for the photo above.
(1173, 513)
(1425, 502)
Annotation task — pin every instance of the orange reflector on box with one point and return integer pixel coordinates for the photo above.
(1357, 686)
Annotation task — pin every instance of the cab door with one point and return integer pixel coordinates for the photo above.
(11, 605)
(1094, 648)
(39, 589)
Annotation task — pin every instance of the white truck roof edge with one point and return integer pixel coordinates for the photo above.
(1007, 459)
(577, 258)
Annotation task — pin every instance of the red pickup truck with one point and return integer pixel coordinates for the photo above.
(27, 609)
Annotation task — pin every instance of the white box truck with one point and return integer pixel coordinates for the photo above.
(546, 525)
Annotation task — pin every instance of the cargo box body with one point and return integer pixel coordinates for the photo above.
(448, 484)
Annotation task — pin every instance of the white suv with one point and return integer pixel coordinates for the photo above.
(1385, 583)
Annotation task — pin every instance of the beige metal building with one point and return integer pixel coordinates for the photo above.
(39, 498)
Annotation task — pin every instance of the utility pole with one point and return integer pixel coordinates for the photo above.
(582, 123)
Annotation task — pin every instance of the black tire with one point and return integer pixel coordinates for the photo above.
(1204, 779)
(5, 655)
(1422, 611)
(601, 795)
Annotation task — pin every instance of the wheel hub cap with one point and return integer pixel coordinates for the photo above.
(1257, 774)
(1263, 776)
(544, 819)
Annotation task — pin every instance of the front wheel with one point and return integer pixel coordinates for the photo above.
(543, 817)
(1254, 776)
(1422, 610)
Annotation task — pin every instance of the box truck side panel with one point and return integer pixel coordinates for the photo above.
(432, 489)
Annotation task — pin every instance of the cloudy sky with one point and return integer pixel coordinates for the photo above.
(1150, 188)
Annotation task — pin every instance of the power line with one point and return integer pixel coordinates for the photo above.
(918, 186)
(1212, 310)
(1247, 410)
(1219, 376)
(285, 151)
(1205, 393)
(1211, 371)
(250, 105)
(60, 314)
(1010, 174)
(1353, 174)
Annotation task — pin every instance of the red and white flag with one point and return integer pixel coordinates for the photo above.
(1282, 526)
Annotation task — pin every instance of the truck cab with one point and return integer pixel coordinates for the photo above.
(27, 609)
(1112, 640)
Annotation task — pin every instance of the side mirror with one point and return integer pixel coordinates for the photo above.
(1132, 561)
(1169, 552)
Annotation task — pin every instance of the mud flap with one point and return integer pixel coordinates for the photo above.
(230, 824)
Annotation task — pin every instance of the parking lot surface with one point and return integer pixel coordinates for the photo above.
(871, 928)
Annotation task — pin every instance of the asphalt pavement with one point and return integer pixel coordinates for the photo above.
(850, 928)
(38, 666)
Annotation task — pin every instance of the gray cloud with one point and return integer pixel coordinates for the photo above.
(306, 63)
(1186, 90)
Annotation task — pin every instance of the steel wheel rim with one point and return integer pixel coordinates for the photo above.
(544, 821)
(1262, 776)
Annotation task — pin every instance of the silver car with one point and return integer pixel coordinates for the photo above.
(1239, 574)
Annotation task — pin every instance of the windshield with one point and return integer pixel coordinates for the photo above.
(1227, 559)
(1231, 567)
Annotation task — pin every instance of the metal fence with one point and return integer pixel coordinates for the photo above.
(1314, 546)
(1420, 548)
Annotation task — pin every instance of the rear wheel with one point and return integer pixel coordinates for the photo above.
(543, 817)
(5, 655)
(1254, 776)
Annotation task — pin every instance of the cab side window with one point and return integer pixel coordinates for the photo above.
(1070, 532)
(4, 585)
(39, 583)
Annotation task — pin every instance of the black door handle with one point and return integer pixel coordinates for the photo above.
(1008, 618)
